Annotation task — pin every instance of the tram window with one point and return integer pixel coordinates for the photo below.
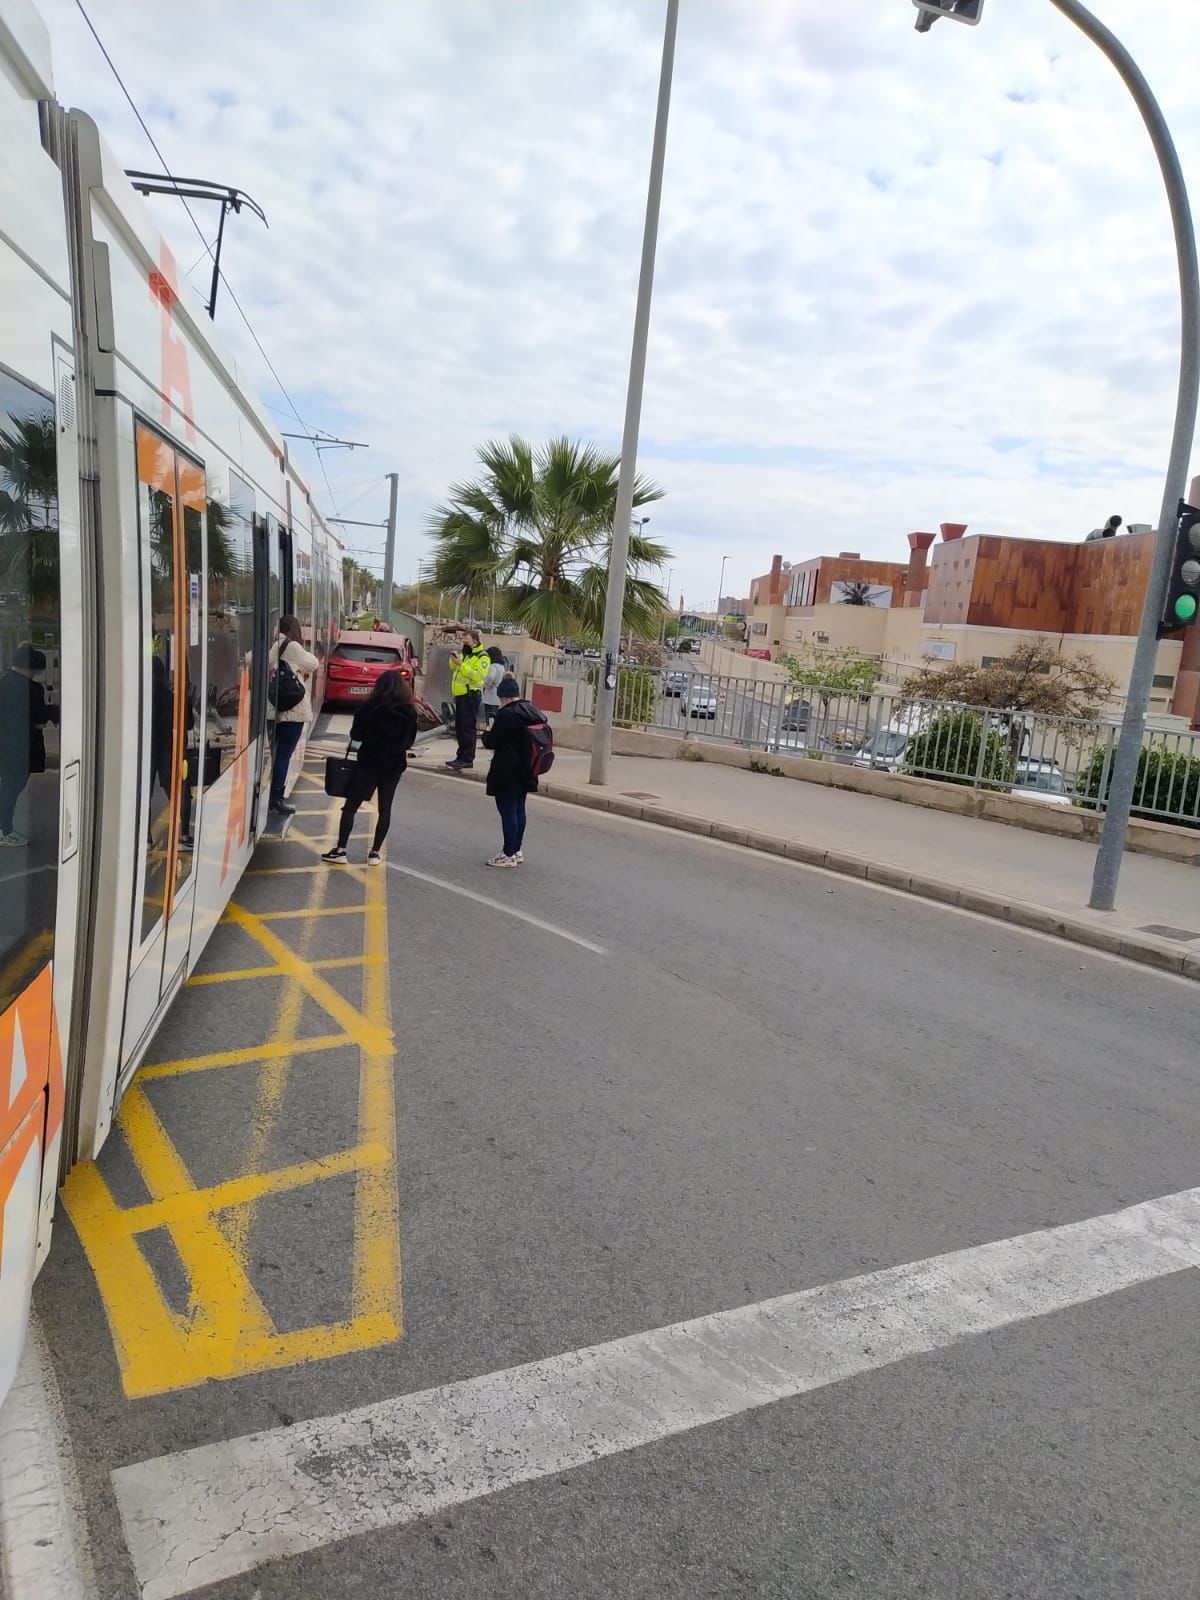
(302, 598)
(230, 627)
(29, 684)
(171, 501)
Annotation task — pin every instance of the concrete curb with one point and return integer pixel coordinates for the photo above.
(1020, 914)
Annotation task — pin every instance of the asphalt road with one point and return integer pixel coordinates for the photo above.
(762, 1080)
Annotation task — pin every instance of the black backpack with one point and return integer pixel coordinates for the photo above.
(540, 748)
(285, 690)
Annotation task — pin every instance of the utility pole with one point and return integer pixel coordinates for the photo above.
(389, 549)
(618, 555)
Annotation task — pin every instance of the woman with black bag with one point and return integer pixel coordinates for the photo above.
(384, 730)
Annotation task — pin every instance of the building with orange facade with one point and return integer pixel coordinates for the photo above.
(970, 598)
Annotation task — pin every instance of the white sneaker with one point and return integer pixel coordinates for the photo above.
(503, 861)
(14, 839)
(373, 858)
(519, 858)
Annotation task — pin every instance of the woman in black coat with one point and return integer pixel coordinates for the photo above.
(383, 730)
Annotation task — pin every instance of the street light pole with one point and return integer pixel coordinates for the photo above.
(720, 592)
(1137, 696)
(614, 601)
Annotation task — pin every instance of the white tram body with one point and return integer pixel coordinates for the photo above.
(152, 532)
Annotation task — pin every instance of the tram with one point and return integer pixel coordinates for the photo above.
(152, 531)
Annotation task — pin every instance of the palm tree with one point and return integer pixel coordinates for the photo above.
(857, 594)
(538, 524)
(29, 508)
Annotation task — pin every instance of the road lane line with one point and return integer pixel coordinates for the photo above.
(222, 1509)
(43, 1531)
(499, 905)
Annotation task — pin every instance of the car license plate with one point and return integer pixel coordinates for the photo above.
(360, 688)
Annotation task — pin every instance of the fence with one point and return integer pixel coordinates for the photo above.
(1055, 760)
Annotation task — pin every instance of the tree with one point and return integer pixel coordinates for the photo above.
(831, 674)
(1036, 676)
(537, 526)
(856, 594)
(958, 747)
(29, 508)
(842, 671)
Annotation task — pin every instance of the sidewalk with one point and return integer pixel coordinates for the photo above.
(1035, 880)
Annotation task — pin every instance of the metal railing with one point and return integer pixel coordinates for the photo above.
(1048, 759)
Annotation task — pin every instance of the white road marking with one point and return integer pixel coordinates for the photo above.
(499, 905)
(222, 1509)
(43, 1541)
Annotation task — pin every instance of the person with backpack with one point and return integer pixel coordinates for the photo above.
(467, 673)
(384, 730)
(290, 706)
(522, 747)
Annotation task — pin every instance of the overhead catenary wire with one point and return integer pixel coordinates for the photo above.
(162, 161)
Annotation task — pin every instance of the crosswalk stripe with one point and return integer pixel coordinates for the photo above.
(221, 1509)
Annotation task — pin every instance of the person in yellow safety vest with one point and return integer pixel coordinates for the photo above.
(467, 673)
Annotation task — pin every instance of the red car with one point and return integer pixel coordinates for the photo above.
(359, 658)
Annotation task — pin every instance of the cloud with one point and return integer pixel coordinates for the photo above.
(900, 280)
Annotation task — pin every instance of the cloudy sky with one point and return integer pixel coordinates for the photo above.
(902, 279)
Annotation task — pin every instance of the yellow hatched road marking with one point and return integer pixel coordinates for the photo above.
(242, 1191)
(226, 1330)
(269, 1051)
(300, 916)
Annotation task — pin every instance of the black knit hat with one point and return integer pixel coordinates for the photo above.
(508, 689)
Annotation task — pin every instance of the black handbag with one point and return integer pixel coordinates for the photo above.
(339, 774)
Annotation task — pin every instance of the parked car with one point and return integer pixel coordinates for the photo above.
(676, 682)
(797, 712)
(884, 751)
(359, 658)
(699, 700)
(1041, 780)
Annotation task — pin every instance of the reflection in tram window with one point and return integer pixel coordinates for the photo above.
(29, 655)
(171, 511)
(230, 627)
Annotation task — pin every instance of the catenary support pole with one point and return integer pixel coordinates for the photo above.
(614, 603)
(389, 550)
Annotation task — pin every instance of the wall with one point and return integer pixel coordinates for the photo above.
(1041, 586)
(861, 628)
(811, 582)
(1113, 655)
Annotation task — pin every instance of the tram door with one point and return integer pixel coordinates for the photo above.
(41, 701)
(272, 600)
(171, 520)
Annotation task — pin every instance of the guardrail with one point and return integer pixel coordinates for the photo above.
(1053, 760)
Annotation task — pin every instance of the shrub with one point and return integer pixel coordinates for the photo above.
(950, 749)
(1167, 786)
(637, 693)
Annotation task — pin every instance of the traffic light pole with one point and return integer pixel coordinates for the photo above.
(1137, 696)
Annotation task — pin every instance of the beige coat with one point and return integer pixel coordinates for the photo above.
(301, 662)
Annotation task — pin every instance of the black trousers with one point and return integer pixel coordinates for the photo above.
(363, 785)
(466, 722)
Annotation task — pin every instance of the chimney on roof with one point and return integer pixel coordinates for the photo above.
(775, 586)
(952, 530)
(914, 578)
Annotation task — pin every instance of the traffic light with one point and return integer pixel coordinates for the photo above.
(957, 10)
(1182, 604)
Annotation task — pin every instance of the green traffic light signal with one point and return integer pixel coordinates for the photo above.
(1185, 607)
